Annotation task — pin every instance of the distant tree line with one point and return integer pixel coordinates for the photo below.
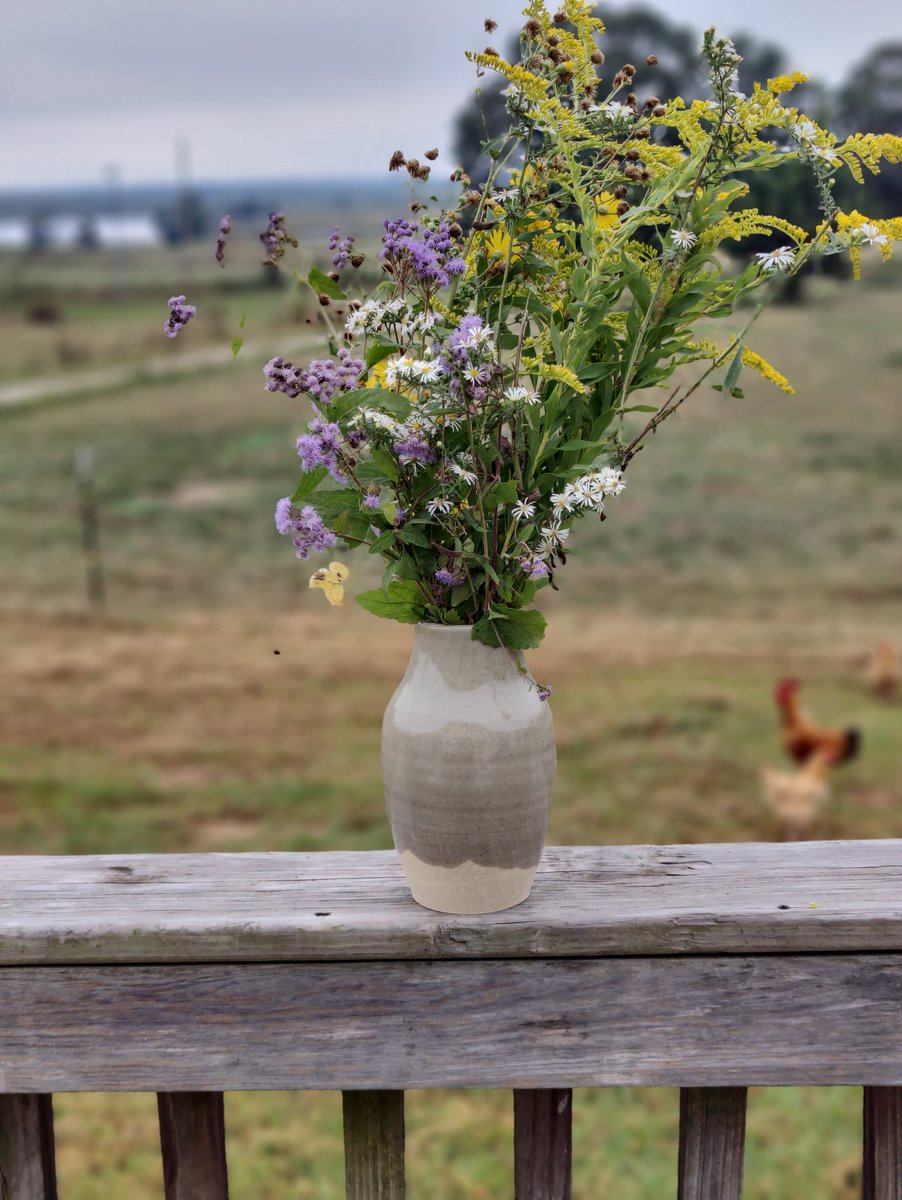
(870, 99)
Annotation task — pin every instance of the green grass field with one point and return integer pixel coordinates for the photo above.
(757, 538)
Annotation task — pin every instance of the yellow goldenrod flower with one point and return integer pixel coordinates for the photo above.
(771, 374)
(785, 83)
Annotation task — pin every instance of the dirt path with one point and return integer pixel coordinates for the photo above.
(54, 387)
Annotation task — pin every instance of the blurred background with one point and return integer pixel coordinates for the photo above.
(169, 683)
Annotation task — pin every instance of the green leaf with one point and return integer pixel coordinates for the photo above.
(378, 351)
(243, 320)
(413, 536)
(324, 286)
(237, 343)
(517, 628)
(310, 481)
(732, 376)
(401, 601)
(501, 493)
(340, 511)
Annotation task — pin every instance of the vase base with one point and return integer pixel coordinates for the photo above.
(468, 889)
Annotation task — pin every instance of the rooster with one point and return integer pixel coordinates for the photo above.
(803, 739)
(797, 797)
(883, 673)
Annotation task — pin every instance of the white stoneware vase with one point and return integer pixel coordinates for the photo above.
(468, 764)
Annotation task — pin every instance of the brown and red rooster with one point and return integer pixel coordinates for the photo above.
(803, 738)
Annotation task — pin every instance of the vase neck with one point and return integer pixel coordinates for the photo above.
(451, 650)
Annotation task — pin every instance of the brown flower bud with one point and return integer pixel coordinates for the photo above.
(631, 99)
(334, 276)
(357, 260)
(652, 60)
(491, 52)
(323, 299)
(559, 18)
(597, 57)
(629, 70)
(533, 28)
(396, 161)
(642, 134)
(585, 105)
(553, 39)
(455, 230)
(413, 166)
(565, 75)
(432, 154)
(415, 206)
(423, 172)
(490, 25)
(645, 175)
(659, 110)
(622, 208)
(618, 79)
(652, 102)
(355, 304)
(556, 56)
(631, 172)
(632, 154)
(620, 191)
(536, 63)
(472, 196)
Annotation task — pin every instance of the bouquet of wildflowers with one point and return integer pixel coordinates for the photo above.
(475, 406)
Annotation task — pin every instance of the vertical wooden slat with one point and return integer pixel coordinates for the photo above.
(374, 1145)
(543, 1122)
(882, 1174)
(712, 1143)
(192, 1139)
(27, 1160)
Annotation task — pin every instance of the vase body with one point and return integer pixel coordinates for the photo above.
(468, 764)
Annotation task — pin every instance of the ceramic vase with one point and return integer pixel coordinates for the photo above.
(468, 764)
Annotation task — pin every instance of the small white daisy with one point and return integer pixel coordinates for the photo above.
(871, 234)
(826, 153)
(465, 476)
(804, 131)
(685, 239)
(553, 535)
(523, 510)
(777, 260)
(561, 504)
(439, 505)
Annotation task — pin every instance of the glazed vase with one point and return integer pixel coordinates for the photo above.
(468, 765)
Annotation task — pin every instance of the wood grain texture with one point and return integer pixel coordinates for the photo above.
(587, 901)
(192, 1140)
(543, 1144)
(882, 1174)
(693, 1022)
(712, 1143)
(374, 1145)
(27, 1158)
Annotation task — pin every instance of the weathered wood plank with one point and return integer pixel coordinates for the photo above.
(543, 1143)
(635, 900)
(27, 1158)
(712, 1143)
(192, 1140)
(694, 1022)
(374, 1145)
(882, 1175)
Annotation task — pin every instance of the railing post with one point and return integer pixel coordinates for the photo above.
(542, 1143)
(192, 1139)
(27, 1159)
(712, 1143)
(374, 1145)
(882, 1173)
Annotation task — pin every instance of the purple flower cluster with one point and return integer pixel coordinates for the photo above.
(448, 579)
(322, 378)
(371, 500)
(180, 314)
(225, 227)
(461, 340)
(282, 376)
(430, 254)
(341, 248)
(304, 527)
(414, 449)
(276, 239)
(321, 448)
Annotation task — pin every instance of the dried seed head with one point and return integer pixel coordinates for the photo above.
(645, 175)
(652, 60)
(490, 25)
(559, 18)
(413, 167)
(618, 79)
(631, 172)
(396, 161)
(533, 28)
(565, 75)
(357, 260)
(472, 196)
(597, 57)
(491, 52)
(557, 56)
(622, 208)
(585, 105)
(631, 99)
(355, 304)
(642, 134)
(432, 154)
(652, 102)
(455, 230)
(659, 110)
(415, 206)
(629, 70)
(620, 191)
(323, 299)
(553, 39)
(334, 276)
(632, 154)
(536, 63)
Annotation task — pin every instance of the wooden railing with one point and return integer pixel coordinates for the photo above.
(710, 968)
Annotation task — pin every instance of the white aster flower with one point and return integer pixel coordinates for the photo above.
(523, 510)
(406, 366)
(685, 239)
(804, 131)
(553, 535)
(610, 481)
(777, 260)
(826, 153)
(871, 234)
(561, 504)
(439, 505)
(465, 476)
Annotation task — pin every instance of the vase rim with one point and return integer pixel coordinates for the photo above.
(444, 628)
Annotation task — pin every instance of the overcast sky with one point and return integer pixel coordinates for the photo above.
(305, 88)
